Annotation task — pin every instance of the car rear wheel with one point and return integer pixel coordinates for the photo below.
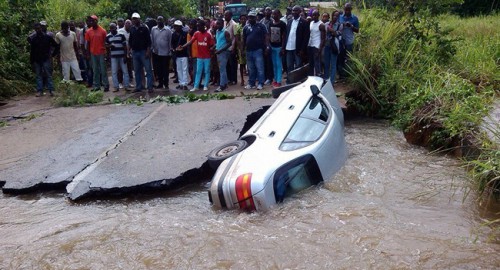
(219, 154)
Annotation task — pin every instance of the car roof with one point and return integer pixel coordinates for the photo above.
(274, 126)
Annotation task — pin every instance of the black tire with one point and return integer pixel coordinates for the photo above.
(219, 154)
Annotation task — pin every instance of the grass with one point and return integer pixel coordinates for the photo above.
(188, 97)
(74, 94)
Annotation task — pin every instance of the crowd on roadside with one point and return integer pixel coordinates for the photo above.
(263, 44)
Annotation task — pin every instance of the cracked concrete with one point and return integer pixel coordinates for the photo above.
(113, 149)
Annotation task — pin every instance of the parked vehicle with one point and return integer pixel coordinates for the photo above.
(297, 143)
(237, 10)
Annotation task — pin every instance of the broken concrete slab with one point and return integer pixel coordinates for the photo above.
(50, 149)
(167, 149)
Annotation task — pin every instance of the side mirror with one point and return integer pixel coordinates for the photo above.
(314, 90)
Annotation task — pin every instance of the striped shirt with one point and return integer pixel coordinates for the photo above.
(118, 43)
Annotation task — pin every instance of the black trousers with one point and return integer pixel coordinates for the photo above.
(232, 67)
(161, 65)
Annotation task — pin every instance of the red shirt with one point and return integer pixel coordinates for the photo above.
(204, 42)
(96, 38)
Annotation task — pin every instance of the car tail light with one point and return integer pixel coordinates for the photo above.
(244, 191)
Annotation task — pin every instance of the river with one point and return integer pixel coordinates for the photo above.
(392, 206)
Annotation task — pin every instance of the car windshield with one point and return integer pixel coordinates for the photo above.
(308, 127)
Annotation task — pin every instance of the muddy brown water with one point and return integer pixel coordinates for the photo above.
(392, 206)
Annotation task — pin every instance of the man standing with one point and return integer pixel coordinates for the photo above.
(297, 38)
(193, 50)
(268, 63)
(117, 45)
(84, 45)
(316, 43)
(79, 53)
(120, 23)
(179, 37)
(222, 44)
(255, 41)
(277, 30)
(161, 40)
(140, 45)
(350, 24)
(40, 58)
(96, 36)
(68, 50)
(125, 31)
(204, 42)
(232, 63)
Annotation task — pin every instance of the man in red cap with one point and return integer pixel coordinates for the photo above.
(96, 37)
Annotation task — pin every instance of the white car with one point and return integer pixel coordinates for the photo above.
(298, 142)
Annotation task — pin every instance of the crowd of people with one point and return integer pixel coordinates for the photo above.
(264, 45)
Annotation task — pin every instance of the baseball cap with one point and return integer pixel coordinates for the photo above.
(136, 15)
(94, 17)
(252, 13)
(43, 23)
(178, 23)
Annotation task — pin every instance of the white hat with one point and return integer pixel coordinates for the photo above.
(43, 23)
(177, 22)
(136, 15)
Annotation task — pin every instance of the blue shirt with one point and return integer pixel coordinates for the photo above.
(220, 39)
(254, 36)
(347, 33)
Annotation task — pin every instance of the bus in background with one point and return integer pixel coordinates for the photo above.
(237, 10)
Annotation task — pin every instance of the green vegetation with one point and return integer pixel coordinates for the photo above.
(18, 16)
(433, 76)
(71, 94)
(189, 97)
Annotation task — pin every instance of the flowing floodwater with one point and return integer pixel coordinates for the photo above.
(392, 206)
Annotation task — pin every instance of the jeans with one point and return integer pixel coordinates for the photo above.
(119, 64)
(44, 69)
(140, 62)
(255, 62)
(343, 58)
(68, 66)
(222, 58)
(202, 64)
(333, 68)
(277, 63)
(99, 69)
(82, 64)
(326, 56)
(293, 61)
(192, 65)
(182, 70)
(314, 61)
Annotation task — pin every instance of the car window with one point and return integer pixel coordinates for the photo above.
(295, 176)
(308, 127)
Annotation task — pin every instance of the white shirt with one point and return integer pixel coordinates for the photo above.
(230, 27)
(125, 33)
(315, 37)
(292, 36)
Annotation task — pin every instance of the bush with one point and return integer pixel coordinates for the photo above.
(71, 94)
(433, 75)
(15, 74)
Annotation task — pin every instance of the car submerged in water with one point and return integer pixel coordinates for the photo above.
(298, 142)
